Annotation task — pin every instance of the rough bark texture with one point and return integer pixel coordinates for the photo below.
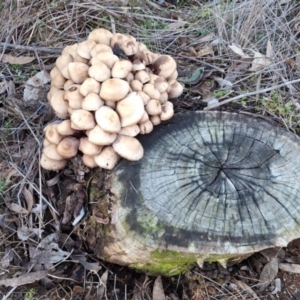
(211, 187)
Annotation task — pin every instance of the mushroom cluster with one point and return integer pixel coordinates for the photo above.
(109, 88)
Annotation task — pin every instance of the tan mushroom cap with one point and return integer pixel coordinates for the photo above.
(78, 71)
(167, 111)
(52, 135)
(92, 102)
(68, 147)
(89, 161)
(54, 72)
(51, 152)
(137, 65)
(83, 119)
(100, 48)
(58, 80)
(58, 103)
(111, 104)
(79, 58)
(99, 72)
(114, 89)
(73, 96)
(151, 91)
(90, 85)
(52, 91)
(46, 143)
(176, 89)
(84, 48)
(64, 128)
(107, 159)
(164, 66)
(153, 107)
(68, 83)
(174, 75)
(128, 147)
(129, 77)
(121, 68)
(160, 83)
(144, 96)
(108, 119)
(142, 76)
(155, 120)
(163, 97)
(86, 147)
(98, 136)
(136, 85)
(131, 130)
(146, 127)
(52, 165)
(63, 61)
(107, 58)
(130, 46)
(144, 118)
(100, 36)
(130, 109)
(71, 49)
(118, 38)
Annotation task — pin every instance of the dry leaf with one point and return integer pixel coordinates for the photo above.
(88, 265)
(235, 69)
(244, 287)
(158, 290)
(35, 86)
(20, 60)
(18, 208)
(3, 87)
(24, 233)
(259, 62)
(269, 52)
(37, 208)
(238, 50)
(103, 282)
(223, 83)
(293, 268)
(268, 274)
(7, 258)
(28, 198)
(208, 50)
(24, 279)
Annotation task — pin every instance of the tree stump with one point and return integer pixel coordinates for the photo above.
(212, 186)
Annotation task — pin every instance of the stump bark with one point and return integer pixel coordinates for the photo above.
(212, 186)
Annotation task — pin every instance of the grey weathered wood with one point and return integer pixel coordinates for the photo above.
(211, 185)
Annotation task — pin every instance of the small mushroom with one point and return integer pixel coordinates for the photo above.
(73, 96)
(68, 147)
(128, 147)
(137, 65)
(78, 71)
(107, 58)
(100, 36)
(58, 104)
(90, 85)
(153, 107)
(130, 109)
(167, 111)
(64, 128)
(51, 164)
(100, 48)
(92, 102)
(176, 89)
(99, 72)
(99, 137)
(121, 68)
(151, 91)
(131, 130)
(108, 119)
(82, 119)
(52, 135)
(136, 85)
(63, 61)
(114, 89)
(86, 147)
(84, 48)
(107, 159)
(51, 152)
(164, 66)
(146, 127)
(72, 50)
(142, 76)
(89, 161)
(155, 120)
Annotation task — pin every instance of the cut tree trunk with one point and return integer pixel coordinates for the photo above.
(212, 186)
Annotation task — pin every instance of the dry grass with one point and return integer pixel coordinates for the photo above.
(43, 28)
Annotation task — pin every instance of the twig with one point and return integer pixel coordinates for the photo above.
(252, 94)
(30, 48)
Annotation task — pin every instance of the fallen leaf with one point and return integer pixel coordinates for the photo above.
(208, 50)
(7, 258)
(38, 208)
(236, 68)
(35, 86)
(244, 287)
(24, 279)
(158, 290)
(88, 265)
(238, 50)
(259, 62)
(293, 268)
(28, 198)
(103, 283)
(20, 60)
(3, 85)
(268, 274)
(24, 233)
(223, 83)
(18, 208)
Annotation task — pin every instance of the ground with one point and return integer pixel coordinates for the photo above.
(247, 57)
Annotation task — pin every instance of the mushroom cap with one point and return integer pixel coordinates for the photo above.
(64, 128)
(92, 102)
(83, 119)
(131, 130)
(73, 96)
(167, 112)
(90, 85)
(79, 58)
(111, 104)
(144, 118)
(176, 89)
(118, 38)
(84, 48)
(52, 90)
(121, 68)
(71, 49)
(52, 135)
(51, 152)
(129, 77)
(130, 46)
(136, 85)
(160, 83)
(78, 71)
(51, 164)
(100, 137)
(58, 80)
(114, 89)
(164, 66)
(137, 65)
(153, 107)
(155, 120)
(86, 147)
(174, 75)
(144, 96)
(142, 76)
(99, 72)
(130, 109)
(107, 159)
(146, 127)
(151, 91)
(89, 161)
(63, 61)
(108, 119)
(107, 58)
(68, 83)
(100, 36)
(68, 147)
(59, 104)
(163, 97)
(100, 48)
(128, 147)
